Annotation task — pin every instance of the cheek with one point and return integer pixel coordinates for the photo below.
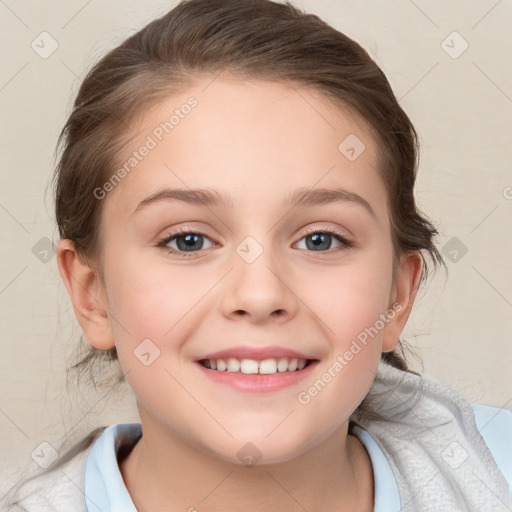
(352, 330)
(149, 299)
(155, 310)
(350, 303)
(349, 299)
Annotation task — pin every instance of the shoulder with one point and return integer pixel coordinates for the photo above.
(57, 489)
(473, 445)
(495, 427)
(87, 476)
(54, 491)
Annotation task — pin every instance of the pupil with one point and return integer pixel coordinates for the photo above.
(189, 241)
(319, 240)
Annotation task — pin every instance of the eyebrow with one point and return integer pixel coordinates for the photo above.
(300, 197)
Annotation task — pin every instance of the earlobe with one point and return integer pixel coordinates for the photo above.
(87, 295)
(402, 299)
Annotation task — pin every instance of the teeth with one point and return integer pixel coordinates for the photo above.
(282, 365)
(233, 364)
(268, 366)
(251, 366)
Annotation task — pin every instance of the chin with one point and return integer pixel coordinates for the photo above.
(247, 451)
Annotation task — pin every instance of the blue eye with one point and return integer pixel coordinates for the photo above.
(318, 240)
(189, 242)
(186, 242)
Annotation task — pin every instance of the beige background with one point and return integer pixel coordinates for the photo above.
(461, 107)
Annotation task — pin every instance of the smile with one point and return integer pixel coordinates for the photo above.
(256, 376)
(252, 366)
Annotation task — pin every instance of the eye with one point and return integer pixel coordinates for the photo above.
(321, 240)
(186, 241)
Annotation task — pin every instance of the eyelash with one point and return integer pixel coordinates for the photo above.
(346, 244)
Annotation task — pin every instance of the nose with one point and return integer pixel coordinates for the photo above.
(260, 291)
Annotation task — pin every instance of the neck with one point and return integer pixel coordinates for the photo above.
(164, 472)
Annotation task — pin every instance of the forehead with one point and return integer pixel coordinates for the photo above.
(246, 138)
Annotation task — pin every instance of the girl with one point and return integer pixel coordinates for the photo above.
(238, 229)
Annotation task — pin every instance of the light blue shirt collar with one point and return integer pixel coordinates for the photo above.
(387, 496)
(104, 487)
(105, 490)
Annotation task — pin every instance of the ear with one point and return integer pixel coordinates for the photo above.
(402, 298)
(87, 294)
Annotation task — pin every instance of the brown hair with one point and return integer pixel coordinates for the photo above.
(256, 39)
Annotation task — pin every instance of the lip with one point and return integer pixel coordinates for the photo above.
(255, 382)
(257, 353)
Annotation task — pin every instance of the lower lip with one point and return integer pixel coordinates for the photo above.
(258, 383)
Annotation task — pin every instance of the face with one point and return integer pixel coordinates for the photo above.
(256, 271)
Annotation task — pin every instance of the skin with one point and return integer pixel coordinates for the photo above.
(257, 141)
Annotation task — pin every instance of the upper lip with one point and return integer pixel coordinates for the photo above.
(258, 353)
